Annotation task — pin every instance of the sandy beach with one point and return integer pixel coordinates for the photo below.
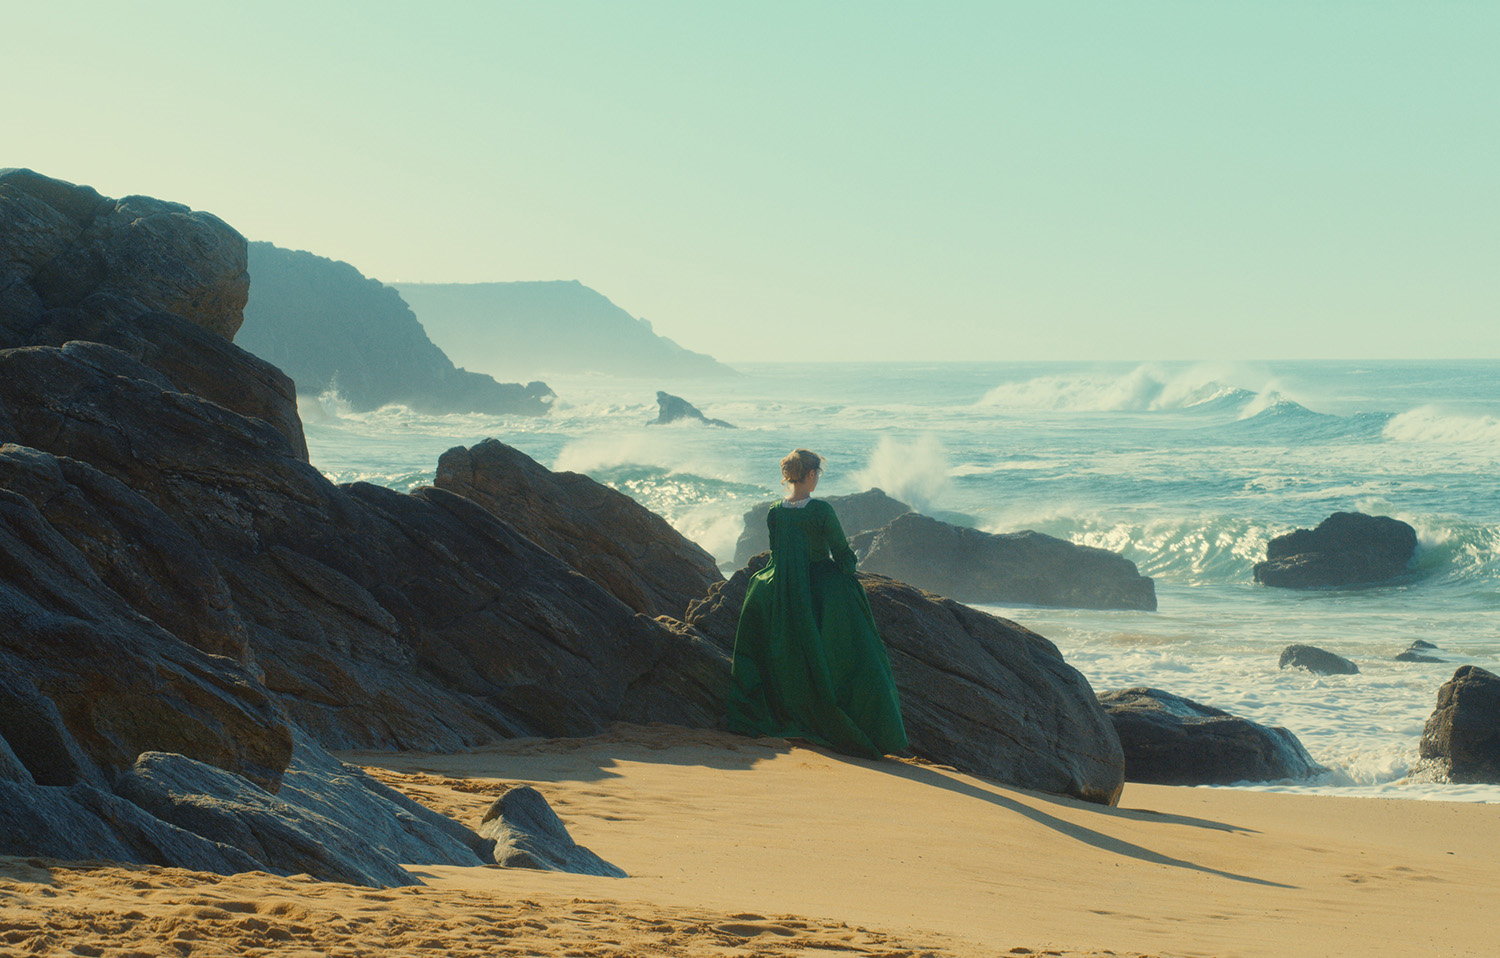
(750, 847)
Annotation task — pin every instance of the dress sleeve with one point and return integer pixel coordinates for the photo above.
(838, 544)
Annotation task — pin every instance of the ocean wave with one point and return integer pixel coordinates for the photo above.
(1434, 424)
(1147, 388)
(1285, 420)
(914, 472)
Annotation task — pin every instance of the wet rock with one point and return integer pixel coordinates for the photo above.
(978, 692)
(1170, 740)
(1026, 568)
(632, 552)
(1462, 736)
(860, 512)
(1347, 548)
(671, 408)
(1419, 651)
(528, 834)
(1317, 661)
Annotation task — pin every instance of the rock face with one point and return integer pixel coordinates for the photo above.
(1017, 567)
(1170, 740)
(1462, 736)
(670, 408)
(632, 552)
(978, 692)
(860, 512)
(1317, 661)
(1347, 548)
(193, 612)
(156, 280)
(538, 329)
(329, 327)
(528, 834)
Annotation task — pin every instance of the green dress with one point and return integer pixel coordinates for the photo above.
(808, 662)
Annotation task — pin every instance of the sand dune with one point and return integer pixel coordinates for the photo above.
(756, 847)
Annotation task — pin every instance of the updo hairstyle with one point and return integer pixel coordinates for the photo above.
(798, 463)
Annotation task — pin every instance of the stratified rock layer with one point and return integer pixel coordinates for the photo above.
(1347, 548)
(528, 834)
(1026, 568)
(1462, 736)
(860, 512)
(978, 692)
(632, 552)
(1170, 740)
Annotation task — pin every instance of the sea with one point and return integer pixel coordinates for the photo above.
(1187, 469)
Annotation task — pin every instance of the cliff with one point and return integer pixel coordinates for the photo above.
(329, 326)
(546, 328)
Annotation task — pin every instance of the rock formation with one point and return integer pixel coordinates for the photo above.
(670, 408)
(632, 552)
(978, 692)
(1347, 548)
(1419, 651)
(1018, 567)
(194, 612)
(528, 834)
(546, 328)
(1170, 740)
(329, 327)
(1462, 737)
(1315, 660)
(860, 512)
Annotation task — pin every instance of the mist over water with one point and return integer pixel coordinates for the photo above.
(1186, 469)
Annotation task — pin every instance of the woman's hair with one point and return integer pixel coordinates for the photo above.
(798, 463)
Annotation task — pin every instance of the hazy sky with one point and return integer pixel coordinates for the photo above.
(1202, 179)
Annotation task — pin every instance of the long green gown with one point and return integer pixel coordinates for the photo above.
(808, 661)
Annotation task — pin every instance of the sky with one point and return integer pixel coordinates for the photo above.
(826, 181)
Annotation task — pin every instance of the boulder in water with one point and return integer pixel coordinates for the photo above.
(1170, 740)
(1462, 736)
(860, 512)
(671, 408)
(1419, 651)
(1347, 548)
(1019, 567)
(978, 692)
(1317, 661)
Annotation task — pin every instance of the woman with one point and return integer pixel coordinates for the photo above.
(808, 662)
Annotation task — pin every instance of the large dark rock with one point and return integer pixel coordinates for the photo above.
(331, 328)
(1347, 548)
(632, 552)
(670, 408)
(860, 512)
(1462, 737)
(1018, 567)
(1315, 660)
(1419, 651)
(1170, 740)
(528, 834)
(978, 692)
(162, 283)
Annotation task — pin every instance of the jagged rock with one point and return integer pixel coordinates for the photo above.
(329, 327)
(1347, 548)
(163, 283)
(978, 692)
(1018, 567)
(329, 820)
(1317, 661)
(528, 834)
(632, 552)
(1170, 740)
(1462, 736)
(527, 329)
(671, 408)
(1419, 651)
(380, 619)
(860, 512)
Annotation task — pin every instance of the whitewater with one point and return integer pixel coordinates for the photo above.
(1186, 469)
